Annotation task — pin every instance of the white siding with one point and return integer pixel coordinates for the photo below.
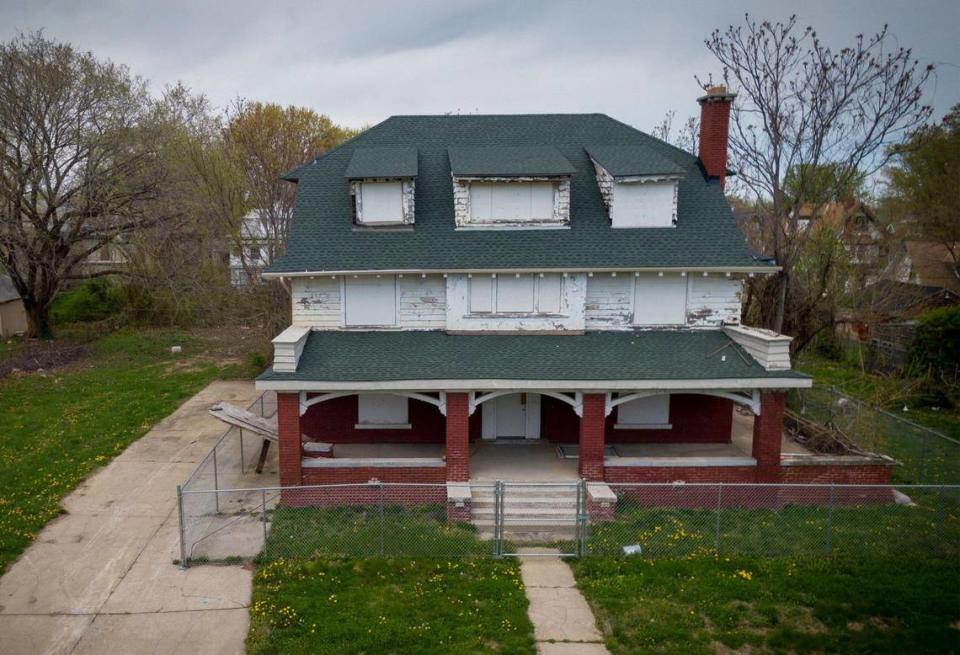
(643, 204)
(609, 302)
(316, 302)
(713, 300)
(515, 294)
(423, 302)
(660, 300)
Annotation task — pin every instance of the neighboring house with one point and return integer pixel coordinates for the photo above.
(111, 256)
(252, 255)
(864, 239)
(459, 282)
(926, 263)
(13, 316)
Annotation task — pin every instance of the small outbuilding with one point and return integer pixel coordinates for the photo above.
(13, 316)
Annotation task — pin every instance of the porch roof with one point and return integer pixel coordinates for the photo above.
(701, 355)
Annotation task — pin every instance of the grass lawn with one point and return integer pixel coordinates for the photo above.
(378, 606)
(748, 605)
(887, 391)
(357, 531)
(58, 426)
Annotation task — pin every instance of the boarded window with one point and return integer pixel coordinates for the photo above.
(660, 300)
(515, 294)
(645, 412)
(511, 201)
(548, 294)
(382, 410)
(643, 204)
(380, 202)
(370, 301)
(481, 295)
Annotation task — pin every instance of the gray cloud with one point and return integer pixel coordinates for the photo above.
(361, 61)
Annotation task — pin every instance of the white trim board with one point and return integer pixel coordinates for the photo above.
(588, 386)
(594, 269)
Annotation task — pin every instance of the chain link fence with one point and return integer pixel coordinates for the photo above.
(648, 520)
(927, 456)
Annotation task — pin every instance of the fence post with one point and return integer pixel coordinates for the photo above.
(827, 535)
(717, 537)
(497, 519)
(263, 518)
(923, 459)
(382, 525)
(580, 532)
(216, 483)
(183, 540)
(241, 452)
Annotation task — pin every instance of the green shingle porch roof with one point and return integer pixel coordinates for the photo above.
(509, 161)
(367, 163)
(323, 238)
(625, 161)
(435, 355)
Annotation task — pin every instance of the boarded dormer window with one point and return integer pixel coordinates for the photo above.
(382, 184)
(510, 186)
(639, 186)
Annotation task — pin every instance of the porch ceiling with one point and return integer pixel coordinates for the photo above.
(660, 355)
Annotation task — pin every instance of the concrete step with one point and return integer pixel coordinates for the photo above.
(520, 512)
(524, 523)
(531, 501)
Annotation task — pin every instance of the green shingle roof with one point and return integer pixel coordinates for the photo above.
(624, 161)
(435, 355)
(382, 162)
(322, 237)
(491, 161)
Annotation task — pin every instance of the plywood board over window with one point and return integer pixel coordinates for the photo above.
(370, 301)
(382, 411)
(660, 300)
(515, 294)
(380, 202)
(511, 201)
(652, 412)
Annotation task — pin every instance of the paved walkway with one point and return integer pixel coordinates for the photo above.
(100, 579)
(562, 621)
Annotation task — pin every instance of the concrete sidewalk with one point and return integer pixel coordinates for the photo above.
(562, 621)
(100, 579)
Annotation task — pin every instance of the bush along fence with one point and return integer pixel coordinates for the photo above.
(621, 520)
(926, 456)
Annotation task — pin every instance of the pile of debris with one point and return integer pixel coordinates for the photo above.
(825, 439)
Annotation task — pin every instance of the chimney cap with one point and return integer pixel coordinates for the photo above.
(717, 93)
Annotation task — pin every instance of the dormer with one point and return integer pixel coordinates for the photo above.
(639, 187)
(501, 187)
(382, 186)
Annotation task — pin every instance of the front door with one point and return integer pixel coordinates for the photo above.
(510, 416)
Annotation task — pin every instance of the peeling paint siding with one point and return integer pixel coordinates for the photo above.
(570, 317)
(713, 300)
(316, 302)
(423, 302)
(463, 215)
(609, 303)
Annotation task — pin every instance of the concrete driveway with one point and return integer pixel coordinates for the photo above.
(100, 579)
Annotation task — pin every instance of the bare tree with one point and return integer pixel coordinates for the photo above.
(800, 106)
(77, 165)
(686, 137)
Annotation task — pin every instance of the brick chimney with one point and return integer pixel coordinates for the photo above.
(714, 131)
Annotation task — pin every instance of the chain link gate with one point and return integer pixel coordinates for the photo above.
(530, 515)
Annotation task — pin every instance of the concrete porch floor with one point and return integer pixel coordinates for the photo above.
(533, 461)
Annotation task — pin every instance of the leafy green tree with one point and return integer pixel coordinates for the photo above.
(924, 184)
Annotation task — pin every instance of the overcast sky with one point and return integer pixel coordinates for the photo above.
(362, 61)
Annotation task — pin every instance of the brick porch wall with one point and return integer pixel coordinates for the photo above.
(288, 432)
(334, 420)
(695, 419)
(458, 438)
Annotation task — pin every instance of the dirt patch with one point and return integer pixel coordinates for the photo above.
(42, 356)
(801, 619)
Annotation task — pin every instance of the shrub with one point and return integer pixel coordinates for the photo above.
(92, 301)
(937, 343)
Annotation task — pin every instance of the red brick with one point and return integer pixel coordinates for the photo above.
(458, 438)
(288, 431)
(768, 435)
(592, 432)
(714, 135)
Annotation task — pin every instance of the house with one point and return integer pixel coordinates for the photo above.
(252, 254)
(561, 281)
(13, 316)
